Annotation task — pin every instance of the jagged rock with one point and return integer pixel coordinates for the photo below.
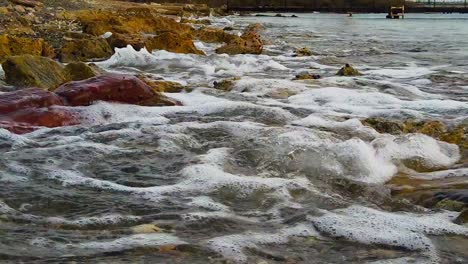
(116, 40)
(85, 50)
(303, 52)
(307, 76)
(249, 43)
(77, 71)
(347, 70)
(33, 71)
(173, 42)
(12, 46)
(214, 35)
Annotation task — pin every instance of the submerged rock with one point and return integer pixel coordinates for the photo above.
(348, 70)
(12, 46)
(173, 42)
(433, 128)
(303, 52)
(85, 50)
(249, 43)
(307, 76)
(33, 71)
(226, 84)
(382, 125)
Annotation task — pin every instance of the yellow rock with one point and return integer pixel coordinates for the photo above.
(12, 46)
(162, 86)
(173, 42)
(214, 35)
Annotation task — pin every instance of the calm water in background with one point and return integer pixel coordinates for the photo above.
(276, 170)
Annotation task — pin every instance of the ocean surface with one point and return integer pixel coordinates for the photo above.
(274, 171)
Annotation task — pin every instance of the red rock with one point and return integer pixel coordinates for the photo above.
(28, 98)
(110, 87)
(27, 120)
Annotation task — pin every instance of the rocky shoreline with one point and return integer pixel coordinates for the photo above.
(47, 53)
(47, 50)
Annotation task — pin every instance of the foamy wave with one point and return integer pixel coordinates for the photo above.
(370, 226)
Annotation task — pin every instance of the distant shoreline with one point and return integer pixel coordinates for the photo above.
(347, 10)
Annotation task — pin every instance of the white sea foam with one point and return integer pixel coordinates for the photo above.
(194, 67)
(362, 103)
(371, 226)
(232, 246)
(407, 72)
(114, 245)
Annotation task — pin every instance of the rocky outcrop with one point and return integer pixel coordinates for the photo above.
(85, 49)
(128, 21)
(214, 35)
(117, 40)
(112, 88)
(33, 71)
(173, 42)
(249, 43)
(12, 46)
(348, 70)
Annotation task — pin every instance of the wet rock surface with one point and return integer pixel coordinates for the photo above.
(33, 71)
(110, 87)
(348, 70)
(86, 49)
(13, 45)
(173, 42)
(249, 42)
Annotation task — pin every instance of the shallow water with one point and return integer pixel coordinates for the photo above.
(275, 170)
